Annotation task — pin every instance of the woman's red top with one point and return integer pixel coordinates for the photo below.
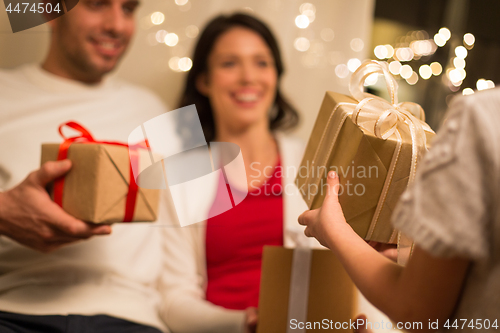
(234, 243)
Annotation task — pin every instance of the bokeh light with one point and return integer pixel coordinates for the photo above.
(185, 64)
(425, 72)
(380, 51)
(481, 84)
(192, 31)
(395, 67)
(160, 36)
(302, 21)
(436, 68)
(404, 54)
(301, 44)
(171, 39)
(439, 40)
(469, 39)
(459, 63)
(173, 63)
(456, 76)
(406, 71)
(157, 18)
(341, 71)
(357, 44)
(461, 52)
(353, 64)
(445, 33)
(309, 10)
(423, 47)
(467, 91)
(413, 79)
(390, 50)
(327, 34)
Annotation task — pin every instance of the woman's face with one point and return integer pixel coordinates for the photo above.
(241, 80)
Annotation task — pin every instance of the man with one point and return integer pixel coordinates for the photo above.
(57, 273)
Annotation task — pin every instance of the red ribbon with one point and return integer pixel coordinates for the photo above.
(86, 137)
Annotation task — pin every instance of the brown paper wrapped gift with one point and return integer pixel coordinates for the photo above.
(373, 145)
(331, 293)
(96, 187)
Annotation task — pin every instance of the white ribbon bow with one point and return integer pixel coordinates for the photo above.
(384, 119)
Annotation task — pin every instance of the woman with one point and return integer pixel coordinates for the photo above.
(213, 268)
(452, 280)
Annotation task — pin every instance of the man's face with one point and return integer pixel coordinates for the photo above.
(94, 35)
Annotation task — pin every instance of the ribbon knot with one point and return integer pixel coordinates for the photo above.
(85, 137)
(384, 119)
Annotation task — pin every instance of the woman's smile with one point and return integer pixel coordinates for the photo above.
(246, 98)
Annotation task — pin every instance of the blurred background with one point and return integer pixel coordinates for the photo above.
(435, 48)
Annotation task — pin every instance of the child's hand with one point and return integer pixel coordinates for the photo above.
(324, 222)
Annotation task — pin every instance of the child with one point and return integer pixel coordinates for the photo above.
(451, 213)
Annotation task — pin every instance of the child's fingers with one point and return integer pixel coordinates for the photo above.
(332, 194)
(307, 217)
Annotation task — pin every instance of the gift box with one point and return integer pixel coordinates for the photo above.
(301, 286)
(98, 187)
(373, 145)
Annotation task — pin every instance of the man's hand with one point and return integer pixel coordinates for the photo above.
(30, 217)
(323, 222)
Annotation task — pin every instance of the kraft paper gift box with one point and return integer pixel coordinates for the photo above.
(373, 145)
(304, 285)
(96, 187)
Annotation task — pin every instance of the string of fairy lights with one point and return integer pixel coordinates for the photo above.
(400, 56)
(315, 49)
(171, 39)
(417, 44)
(411, 47)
